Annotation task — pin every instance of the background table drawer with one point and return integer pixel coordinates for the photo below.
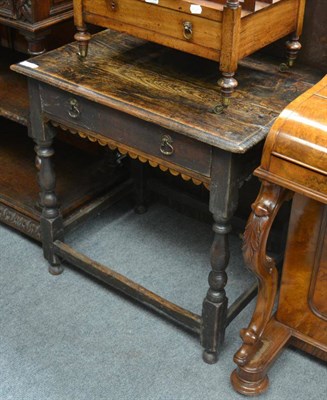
(163, 144)
(162, 23)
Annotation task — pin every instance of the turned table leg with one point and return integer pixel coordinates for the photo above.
(231, 25)
(215, 303)
(250, 377)
(223, 203)
(51, 220)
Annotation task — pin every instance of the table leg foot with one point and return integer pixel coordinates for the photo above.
(209, 357)
(140, 209)
(249, 387)
(214, 308)
(293, 47)
(82, 37)
(56, 269)
(227, 85)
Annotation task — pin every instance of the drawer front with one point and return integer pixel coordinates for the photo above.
(155, 22)
(175, 150)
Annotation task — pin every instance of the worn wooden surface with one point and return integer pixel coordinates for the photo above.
(172, 89)
(294, 158)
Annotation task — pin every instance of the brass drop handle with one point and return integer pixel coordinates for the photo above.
(74, 111)
(187, 30)
(166, 146)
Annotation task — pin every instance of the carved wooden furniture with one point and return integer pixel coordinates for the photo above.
(34, 18)
(139, 98)
(294, 160)
(222, 30)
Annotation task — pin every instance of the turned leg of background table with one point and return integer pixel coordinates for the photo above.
(138, 170)
(51, 219)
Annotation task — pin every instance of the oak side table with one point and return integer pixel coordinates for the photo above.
(158, 106)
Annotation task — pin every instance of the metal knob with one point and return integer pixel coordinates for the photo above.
(74, 111)
(166, 146)
(187, 30)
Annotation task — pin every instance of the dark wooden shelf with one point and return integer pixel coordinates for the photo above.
(85, 172)
(83, 178)
(14, 103)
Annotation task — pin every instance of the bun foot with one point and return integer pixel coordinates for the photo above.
(227, 86)
(56, 269)
(140, 209)
(209, 357)
(83, 38)
(249, 388)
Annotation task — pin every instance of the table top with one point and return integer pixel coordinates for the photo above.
(172, 89)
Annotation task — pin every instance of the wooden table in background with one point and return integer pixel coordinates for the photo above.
(158, 106)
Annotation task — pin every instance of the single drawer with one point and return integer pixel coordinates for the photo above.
(137, 134)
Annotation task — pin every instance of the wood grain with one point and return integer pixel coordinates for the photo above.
(173, 90)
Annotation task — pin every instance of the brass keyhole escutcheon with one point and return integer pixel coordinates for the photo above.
(74, 111)
(187, 30)
(166, 146)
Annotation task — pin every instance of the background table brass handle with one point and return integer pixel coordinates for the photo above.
(188, 30)
(73, 112)
(166, 146)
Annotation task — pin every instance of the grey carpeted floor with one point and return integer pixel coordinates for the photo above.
(71, 338)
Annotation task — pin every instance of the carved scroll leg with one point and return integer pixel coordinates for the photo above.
(139, 178)
(215, 304)
(254, 380)
(82, 37)
(51, 220)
